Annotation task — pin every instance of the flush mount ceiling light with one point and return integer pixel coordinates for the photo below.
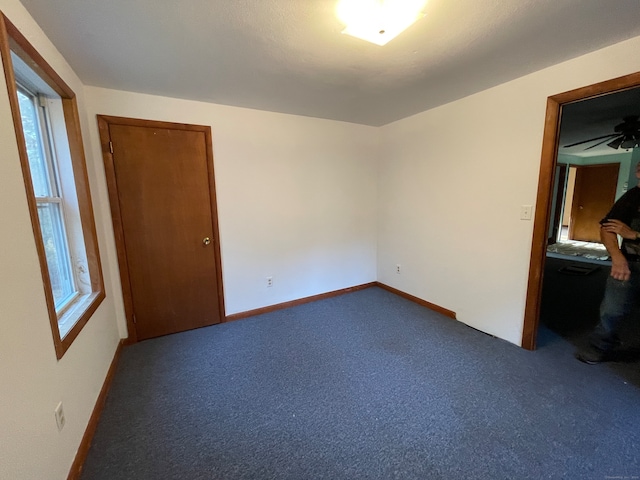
(378, 21)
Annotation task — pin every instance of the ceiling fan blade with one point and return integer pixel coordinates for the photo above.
(616, 142)
(592, 139)
(599, 143)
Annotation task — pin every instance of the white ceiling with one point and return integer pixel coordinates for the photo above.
(289, 55)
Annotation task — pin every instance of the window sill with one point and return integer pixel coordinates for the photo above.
(74, 312)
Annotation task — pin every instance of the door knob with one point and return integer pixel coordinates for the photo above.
(206, 241)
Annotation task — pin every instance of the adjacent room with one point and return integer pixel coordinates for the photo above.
(591, 174)
(312, 239)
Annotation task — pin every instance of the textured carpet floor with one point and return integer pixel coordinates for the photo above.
(362, 386)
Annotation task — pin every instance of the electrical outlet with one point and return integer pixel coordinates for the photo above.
(59, 413)
(269, 281)
(398, 269)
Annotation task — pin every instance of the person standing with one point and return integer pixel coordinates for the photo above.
(622, 290)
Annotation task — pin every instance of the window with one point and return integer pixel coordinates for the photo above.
(46, 188)
(50, 144)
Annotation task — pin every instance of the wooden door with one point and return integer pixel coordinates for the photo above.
(161, 187)
(593, 196)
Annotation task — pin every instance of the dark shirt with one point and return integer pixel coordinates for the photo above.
(627, 210)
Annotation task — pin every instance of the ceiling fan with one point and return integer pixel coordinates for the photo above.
(627, 135)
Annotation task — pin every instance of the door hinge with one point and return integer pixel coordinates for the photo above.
(111, 147)
(135, 320)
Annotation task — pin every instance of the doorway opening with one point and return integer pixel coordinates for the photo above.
(583, 194)
(546, 202)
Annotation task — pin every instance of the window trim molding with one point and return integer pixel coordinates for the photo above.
(12, 40)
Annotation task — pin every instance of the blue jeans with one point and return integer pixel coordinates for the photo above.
(619, 300)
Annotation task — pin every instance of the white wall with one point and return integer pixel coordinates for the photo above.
(32, 380)
(296, 195)
(451, 183)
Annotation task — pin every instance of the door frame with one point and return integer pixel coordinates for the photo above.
(545, 191)
(560, 193)
(104, 121)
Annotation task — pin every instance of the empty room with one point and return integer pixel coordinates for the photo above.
(305, 239)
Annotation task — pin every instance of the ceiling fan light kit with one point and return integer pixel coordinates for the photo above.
(378, 21)
(629, 143)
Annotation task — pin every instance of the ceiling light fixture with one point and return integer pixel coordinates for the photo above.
(378, 21)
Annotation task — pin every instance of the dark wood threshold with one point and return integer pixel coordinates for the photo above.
(85, 444)
(419, 301)
(300, 301)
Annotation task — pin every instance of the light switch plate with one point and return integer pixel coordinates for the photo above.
(525, 212)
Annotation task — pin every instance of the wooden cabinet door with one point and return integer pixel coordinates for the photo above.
(593, 197)
(163, 182)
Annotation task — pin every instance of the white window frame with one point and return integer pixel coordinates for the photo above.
(57, 195)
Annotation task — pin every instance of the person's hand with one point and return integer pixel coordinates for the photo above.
(620, 269)
(620, 228)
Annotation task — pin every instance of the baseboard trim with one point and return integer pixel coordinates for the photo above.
(419, 301)
(300, 301)
(85, 444)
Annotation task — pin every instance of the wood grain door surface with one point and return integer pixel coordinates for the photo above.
(164, 198)
(593, 197)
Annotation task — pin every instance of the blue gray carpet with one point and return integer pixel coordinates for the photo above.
(362, 386)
